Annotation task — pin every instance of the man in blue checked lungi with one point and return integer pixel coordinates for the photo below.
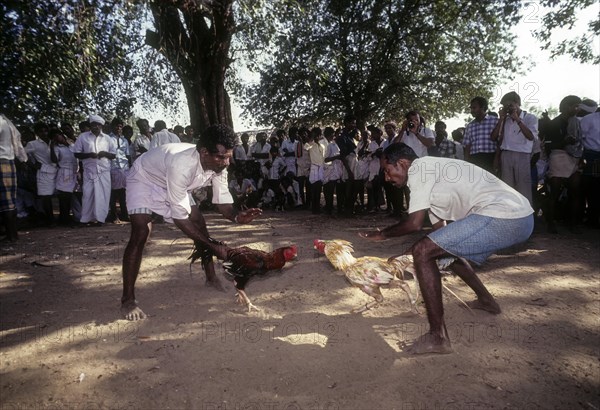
(487, 215)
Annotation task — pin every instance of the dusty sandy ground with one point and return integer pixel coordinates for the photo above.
(63, 344)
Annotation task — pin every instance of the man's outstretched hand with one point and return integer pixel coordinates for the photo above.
(243, 217)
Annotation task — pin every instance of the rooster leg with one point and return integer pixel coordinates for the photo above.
(243, 298)
(367, 306)
(373, 292)
(406, 287)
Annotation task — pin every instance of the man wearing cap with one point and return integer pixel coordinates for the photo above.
(590, 136)
(96, 150)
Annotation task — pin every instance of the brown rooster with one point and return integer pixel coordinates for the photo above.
(370, 273)
(243, 263)
(367, 273)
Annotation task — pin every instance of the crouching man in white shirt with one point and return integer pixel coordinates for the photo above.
(488, 216)
(161, 181)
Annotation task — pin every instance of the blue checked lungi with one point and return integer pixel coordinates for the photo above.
(476, 237)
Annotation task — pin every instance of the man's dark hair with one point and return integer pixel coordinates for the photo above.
(395, 152)
(54, 132)
(328, 131)
(128, 131)
(316, 132)
(178, 129)
(411, 113)
(159, 125)
(141, 121)
(84, 124)
(511, 96)
(568, 102)
(481, 102)
(117, 121)
(293, 131)
(38, 126)
(215, 135)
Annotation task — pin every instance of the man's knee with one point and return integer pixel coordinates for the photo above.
(425, 249)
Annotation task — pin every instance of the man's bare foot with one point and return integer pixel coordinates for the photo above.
(430, 343)
(489, 306)
(215, 283)
(132, 311)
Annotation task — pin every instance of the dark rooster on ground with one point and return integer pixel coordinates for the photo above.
(243, 263)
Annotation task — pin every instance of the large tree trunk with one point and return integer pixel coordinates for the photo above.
(208, 101)
(195, 38)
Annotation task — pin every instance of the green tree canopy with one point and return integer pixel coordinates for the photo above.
(379, 58)
(563, 15)
(64, 59)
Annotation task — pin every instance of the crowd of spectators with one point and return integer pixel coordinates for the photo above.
(554, 163)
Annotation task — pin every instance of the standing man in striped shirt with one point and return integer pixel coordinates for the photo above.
(479, 149)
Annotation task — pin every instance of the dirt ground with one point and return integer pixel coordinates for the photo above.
(63, 344)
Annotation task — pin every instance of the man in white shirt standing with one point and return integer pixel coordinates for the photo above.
(162, 135)
(515, 131)
(161, 181)
(488, 216)
(39, 152)
(416, 135)
(141, 143)
(118, 173)
(96, 150)
(289, 147)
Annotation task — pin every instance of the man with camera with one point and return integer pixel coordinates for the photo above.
(416, 135)
(515, 132)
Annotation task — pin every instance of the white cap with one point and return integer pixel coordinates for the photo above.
(96, 118)
(588, 106)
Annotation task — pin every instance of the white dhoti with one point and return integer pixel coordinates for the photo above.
(316, 173)
(66, 179)
(46, 180)
(146, 197)
(118, 178)
(352, 164)
(96, 195)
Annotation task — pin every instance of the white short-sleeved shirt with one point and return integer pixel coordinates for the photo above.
(121, 161)
(514, 139)
(39, 150)
(87, 143)
(174, 170)
(452, 189)
(332, 171)
(163, 137)
(412, 141)
(141, 141)
(590, 131)
(374, 162)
